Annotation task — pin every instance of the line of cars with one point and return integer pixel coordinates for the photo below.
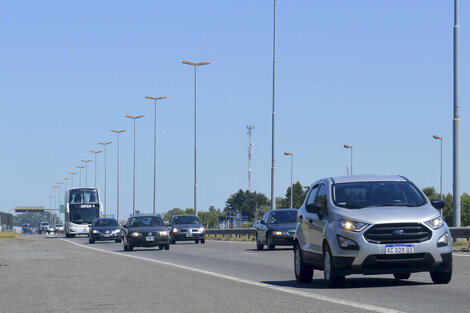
(147, 231)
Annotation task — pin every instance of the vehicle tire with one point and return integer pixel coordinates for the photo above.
(196, 241)
(167, 247)
(130, 247)
(118, 240)
(160, 247)
(68, 235)
(125, 247)
(303, 272)
(203, 240)
(259, 245)
(401, 275)
(270, 243)
(39, 232)
(91, 241)
(173, 241)
(442, 277)
(332, 278)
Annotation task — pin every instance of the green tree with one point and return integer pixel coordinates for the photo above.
(247, 203)
(175, 211)
(210, 217)
(448, 214)
(299, 194)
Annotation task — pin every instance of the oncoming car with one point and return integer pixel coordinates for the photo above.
(145, 231)
(103, 229)
(370, 225)
(185, 228)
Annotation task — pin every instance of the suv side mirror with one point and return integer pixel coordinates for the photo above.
(263, 222)
(313, 207)
(438, 204)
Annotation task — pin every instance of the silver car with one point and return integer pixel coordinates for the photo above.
(370, 225)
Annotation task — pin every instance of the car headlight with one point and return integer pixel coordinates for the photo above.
(443, 240)
(116, 231)
(95, 231)
(201, 229)
(352, 226)
(135, 234)
(163, 233)
(277, 232)
(174, 230)
(435, 223)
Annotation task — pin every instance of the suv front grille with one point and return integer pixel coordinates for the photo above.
(398, 233)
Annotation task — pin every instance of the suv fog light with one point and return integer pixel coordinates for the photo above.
(443, 240)
(347, 244)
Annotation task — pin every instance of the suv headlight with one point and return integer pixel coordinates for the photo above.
(135, 234)
(201, 229)
(435, 223)
(174, 230)
(163, 233)
(352, 226)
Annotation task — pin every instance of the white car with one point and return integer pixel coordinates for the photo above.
(59, 228)
(44, 226)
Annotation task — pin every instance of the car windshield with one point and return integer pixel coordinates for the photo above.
(83, 215)
(142, 221)
(359, 195)
(188, 219)
(83, 197)
(282, 217)
(105, 222)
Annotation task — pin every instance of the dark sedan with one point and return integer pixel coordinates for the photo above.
(104, 229)
(276, 228)
(185, 228)
(145, 231)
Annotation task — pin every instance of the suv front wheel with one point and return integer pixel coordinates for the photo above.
(332, 278)
(303, 272)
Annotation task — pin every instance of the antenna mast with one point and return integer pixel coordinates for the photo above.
(249, 127)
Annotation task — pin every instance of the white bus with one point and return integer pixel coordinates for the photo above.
(82, 205)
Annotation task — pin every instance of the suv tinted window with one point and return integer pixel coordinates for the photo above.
(321, 198)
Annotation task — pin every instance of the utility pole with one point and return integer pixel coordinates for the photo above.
(250, 145)
(456, 152)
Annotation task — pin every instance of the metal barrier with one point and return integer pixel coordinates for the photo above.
(457, 232)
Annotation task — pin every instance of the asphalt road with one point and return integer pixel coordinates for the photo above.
(54, 274)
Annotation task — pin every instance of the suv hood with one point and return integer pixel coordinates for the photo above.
(147, 229)
(187, 225)
(388, 214)
(284, 227)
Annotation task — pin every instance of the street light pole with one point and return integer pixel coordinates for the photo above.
(291, 171)
(71, 175)
(96, 163)
(55, 197)
(350, 147)
(105, 144)
(117, 150)
(133, 197)
(195, 65)
(273, 134)
(80, 167)
(456, 167)
(86, 171)
(155, 153)
(59, 183)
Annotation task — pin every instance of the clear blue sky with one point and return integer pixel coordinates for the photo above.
(376, 75)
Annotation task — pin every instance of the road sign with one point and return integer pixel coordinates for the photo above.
(62, 208)
(29, 209)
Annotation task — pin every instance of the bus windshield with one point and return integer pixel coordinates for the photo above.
(83, 197)
(83, 215)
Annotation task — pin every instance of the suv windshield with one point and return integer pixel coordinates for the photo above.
(142, 221)
(105, 222)
(377, 193)
(282, 217)
(186, 220)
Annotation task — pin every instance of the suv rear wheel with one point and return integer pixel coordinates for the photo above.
(259, 245)
(332, 278)
(270, 243)
(303, 272)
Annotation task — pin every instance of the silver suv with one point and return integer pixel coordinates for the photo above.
(370, 225)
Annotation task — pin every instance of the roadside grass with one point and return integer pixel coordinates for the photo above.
(461, 245)
(9, 235)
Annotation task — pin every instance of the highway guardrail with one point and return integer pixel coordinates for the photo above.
(457, 232)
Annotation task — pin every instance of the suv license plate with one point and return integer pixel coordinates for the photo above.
(399, 249)
(150, 238)
(189, 235)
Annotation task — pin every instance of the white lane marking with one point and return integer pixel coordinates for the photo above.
(460, 254)
(358, 305)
